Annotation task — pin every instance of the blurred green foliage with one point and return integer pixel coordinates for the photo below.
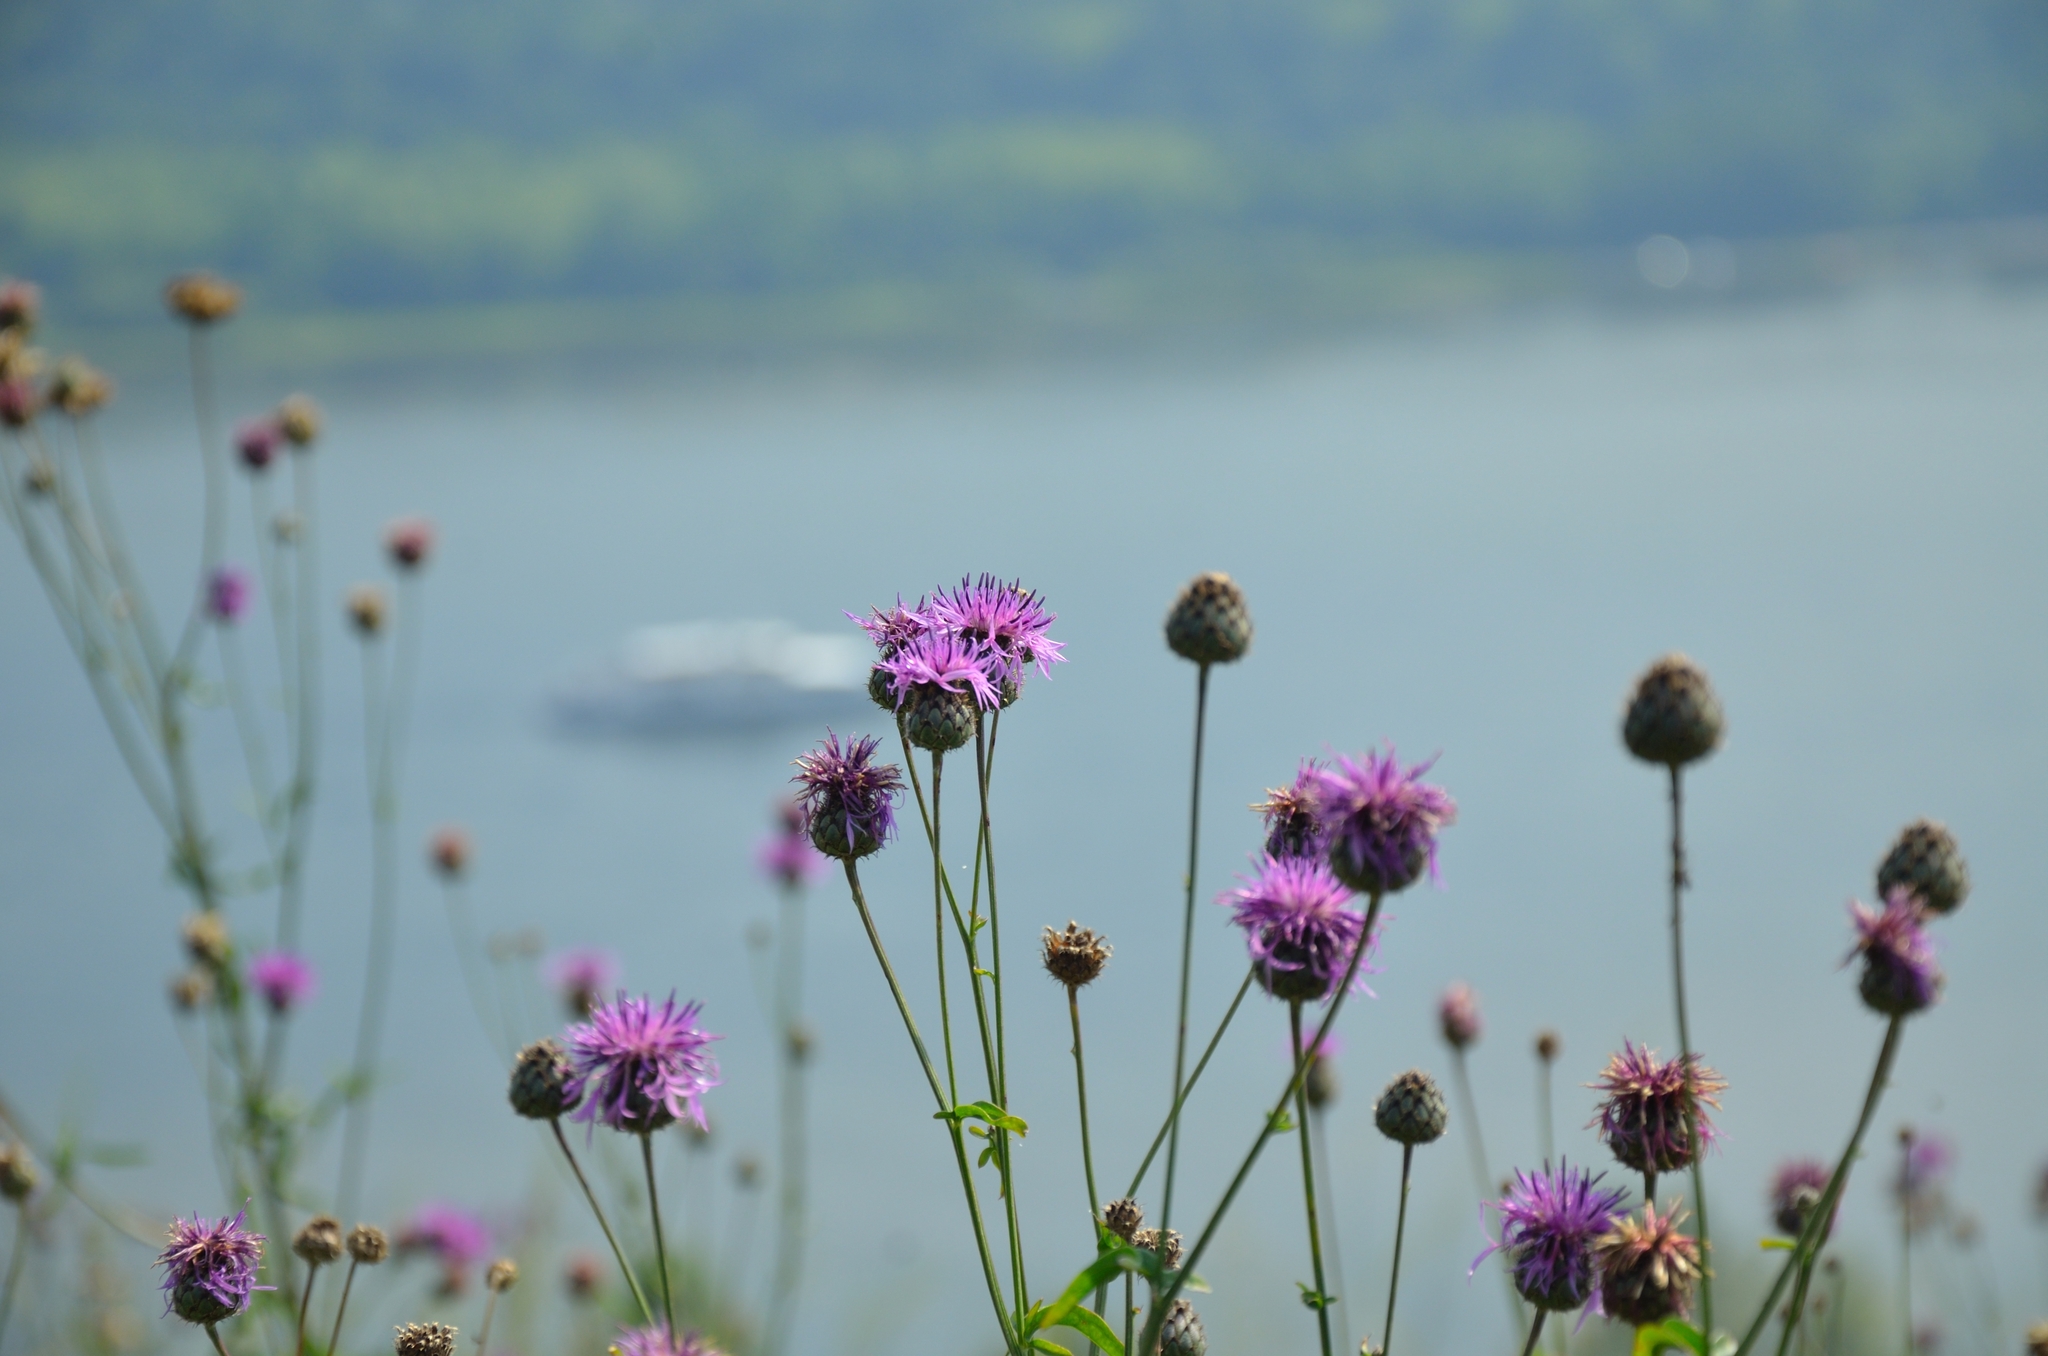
(369, 153)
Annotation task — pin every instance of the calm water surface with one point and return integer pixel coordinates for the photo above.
(1465, 541)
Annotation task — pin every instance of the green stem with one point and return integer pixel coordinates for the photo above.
(348, 1284)
(1482, 1175)
(306, 703)
(985, 850)
(1692, 1128)
(1546, 1120)
(483, 1334)
(668, 1304)
(1400, 1227)
(1188, 1089)
(214, 1337)
(1164, 1299)
(1816, 1223)
(791, 1191)
(1535, 1331)
(1796, 1314)
(1187, 948)
(1303, 1056)
(1906, 1258)
(1081, 1087)
(625, 1267)
(305, 1299)
(1130, 1313)
(14, 1264)
(941, 886)
(988, 1266)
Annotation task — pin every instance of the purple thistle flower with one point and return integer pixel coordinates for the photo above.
(210, 1268)
(1899, 972)
(895, 628)
(581, 976)
(659, 1341)
(847, 797)
(1457, 1013)
(1796, 1191)
(1642, 1118)
(257, 441)
(944, 660)
(638, 1067)
(1299, 928)
(1380, 821)
(284, 978)
(1291, 828)
(786, 856)
(1549, 1223)
(1008, 618)
(227, 593)
(456, 1239)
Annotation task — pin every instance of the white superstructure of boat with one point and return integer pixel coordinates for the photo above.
(683, 677)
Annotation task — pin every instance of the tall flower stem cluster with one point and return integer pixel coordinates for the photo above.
(792, 864)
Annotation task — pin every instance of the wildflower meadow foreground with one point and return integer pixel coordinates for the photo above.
(271, 1259)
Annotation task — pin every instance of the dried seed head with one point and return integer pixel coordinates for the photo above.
(78, 388)
(426, 1339)
(191, 989)
(1925, 862)
(1647, 1267)
(319, 1241)
(1673, 715)
(1075, 957)
(503, 1275)
(206, 939)
(1412, 1110)
(2037, 1340)
(409, 541)
(540, 1079)
(1147, 1240)
(20, 402)
(298, 419)
(1181, 1334)
(21, 304)
(202, 298)
(449, 850)
(366, 608)
(1549, 1045)
(938, 720)
(581, 1275)
(368, 1245)
(18, 1175)
(1122, 1217)
(1209, 622)
(1457, 1013)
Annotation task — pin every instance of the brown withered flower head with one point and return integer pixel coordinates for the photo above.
(1647, 1267)
(1122, 1217)
(1075, 957)
(318, 1241)
(202, 298)
(368, 1245)
(78, 388)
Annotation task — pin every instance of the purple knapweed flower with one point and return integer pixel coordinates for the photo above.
(943, 660)
(1300, 928)
(657, 1340)
(638, 1067)
(1549, 1223)
(895, 628)
(1899, 972)
(1290, 814)
(1642, 1118)
(1380, 821)
(1457, 1014)
(1796, 1191)
(210, 1268)
(581, 976)
(1007, 618)
(847, 797)
(284, 978)
(257, 441)
(786, 856)
(227, 593)
(1919, 1186)
(454, 1237)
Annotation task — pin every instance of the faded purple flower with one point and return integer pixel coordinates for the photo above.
(1291, 829)
(943, 660)
(1550, 1221)
(638, 1067)
(210, 1268)
(581, 976)
(1642, 1118)
(1920, 1184)
(454, 1237)
(21, 304)
(848, 798)
(1007, 618)
(786, 856)
(659, 1341)
(1796, 1191)
(1457, 1013)
(284, 978)
(895, 628)
(257, 441)
(227, 593)
(1899, 971)
(409, 541)
(1380, 821)
(1299, 928)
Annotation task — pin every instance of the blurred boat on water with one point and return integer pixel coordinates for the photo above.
(709, 676)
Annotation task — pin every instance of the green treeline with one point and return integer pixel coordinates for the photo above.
(380, 152)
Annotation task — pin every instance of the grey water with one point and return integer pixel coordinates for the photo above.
(1463, 538)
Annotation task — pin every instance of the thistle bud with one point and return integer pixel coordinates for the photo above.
(1322, 1083)
(202, 298)
(1925, 862)
(298, 419)
(540, 1080)
(1181, 1334)
(319, 1241)
(1673, 716)
(938, 720)
(1412, 1110)
(18, 1175)
(21, 305)
(206, 939)
(1122, 1217)
(409, 541)
(368, 1245)
(1148, 1240)
(1549, 1045)
(191, 989)
(503, 1275)
(1075, 957)
(1209, 622)
(366, 609)
(449, 851)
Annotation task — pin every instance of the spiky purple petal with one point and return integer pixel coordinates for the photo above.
(1299, 928)
(637, 1066)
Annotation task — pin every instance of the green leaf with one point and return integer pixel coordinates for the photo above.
(1777, 1244)
(986, 1112)
(1049, 1347)
(1315, 1299)
(1122, 1258)
(1282, 1122)
(1672, 1334)
(1091, 1326)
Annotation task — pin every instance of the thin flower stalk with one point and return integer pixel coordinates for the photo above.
(15, 1261)
(1400, 1229)
(1679, 880)
(1535, 1331)
(1187, 1090)
(1303, 1057)
(619, 1253)
(985, 850)
(1187, 950)
(1081, 1091)
(795, 1159)
(1475, 1145)
(668, 1304)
